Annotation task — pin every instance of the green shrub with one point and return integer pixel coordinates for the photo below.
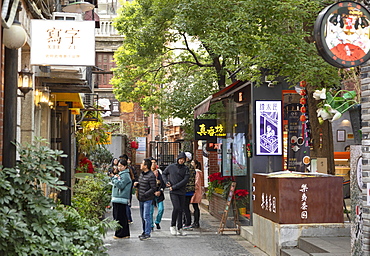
(101, 156)
(91, 196)
(32, 224)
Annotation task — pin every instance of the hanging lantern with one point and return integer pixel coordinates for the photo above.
(302, 83)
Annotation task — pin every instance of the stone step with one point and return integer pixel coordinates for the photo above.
(310, 245)
(325, 245)
(293, 252)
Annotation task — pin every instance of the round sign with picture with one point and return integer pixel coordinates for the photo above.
(341, 34)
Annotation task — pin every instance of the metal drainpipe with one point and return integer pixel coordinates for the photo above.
(10, 107)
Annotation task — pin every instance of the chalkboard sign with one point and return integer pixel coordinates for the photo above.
(230, 202)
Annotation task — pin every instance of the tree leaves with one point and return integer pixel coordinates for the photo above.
(177, 53)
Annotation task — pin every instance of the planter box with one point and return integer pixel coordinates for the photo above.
(301, 199)
(217, 205)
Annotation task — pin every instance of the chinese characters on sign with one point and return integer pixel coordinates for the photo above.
(304, 206)
(208, 129)
(211, 131)
(268, 128)
(268, 203)
(60, 42)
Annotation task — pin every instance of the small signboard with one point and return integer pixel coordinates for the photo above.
(62, 42)
(208, 129)
(230, 202)
(341, 34)
(268, 127)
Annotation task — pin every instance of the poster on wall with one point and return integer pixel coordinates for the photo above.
(239, 155)
(268, 127)
(226, 157)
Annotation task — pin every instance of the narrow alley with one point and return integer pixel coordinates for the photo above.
(202, 241)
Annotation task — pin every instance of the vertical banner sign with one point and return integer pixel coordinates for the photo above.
(268, 128)
(298, 148)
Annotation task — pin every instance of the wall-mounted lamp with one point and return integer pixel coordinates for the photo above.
(42, 96)
(24, 81)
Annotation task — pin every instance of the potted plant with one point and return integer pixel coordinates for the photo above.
(242, 199)
(218, 184)
(333, 103)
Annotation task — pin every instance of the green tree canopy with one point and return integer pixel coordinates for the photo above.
(176, 53)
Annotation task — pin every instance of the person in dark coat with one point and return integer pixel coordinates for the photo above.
(146, 187)
(113, 167)
(190, 189)
(176, 176)
(159, 195)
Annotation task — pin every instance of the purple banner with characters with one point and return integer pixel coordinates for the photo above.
(268, 127)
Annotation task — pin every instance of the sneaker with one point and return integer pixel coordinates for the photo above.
(145, 237)
(173, 231)
(141, 235)
(181, 232)
(187, 228)
(158, 227)
(195, 225)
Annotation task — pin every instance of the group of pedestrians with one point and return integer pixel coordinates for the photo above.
(183, 179)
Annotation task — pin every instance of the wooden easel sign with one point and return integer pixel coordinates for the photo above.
(230, 202)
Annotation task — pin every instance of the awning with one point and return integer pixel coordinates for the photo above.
(229, 90)
(75, 98)
(92, 15)
(202, 107)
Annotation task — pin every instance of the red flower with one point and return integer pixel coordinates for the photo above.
(240, 193)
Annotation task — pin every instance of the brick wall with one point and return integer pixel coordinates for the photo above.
(365, 115)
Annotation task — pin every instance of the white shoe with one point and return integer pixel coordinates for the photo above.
(173, 231)
(181, 232)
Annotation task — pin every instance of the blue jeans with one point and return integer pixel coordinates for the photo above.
(159, 214)
(145, 216)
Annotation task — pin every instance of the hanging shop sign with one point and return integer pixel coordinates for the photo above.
(208, 129)
(341, 33)
(268, 127)
(61, 42)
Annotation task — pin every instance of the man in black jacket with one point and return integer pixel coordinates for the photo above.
(176, 176)
(146, 187)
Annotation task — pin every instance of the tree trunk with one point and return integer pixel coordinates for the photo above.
(326, 148)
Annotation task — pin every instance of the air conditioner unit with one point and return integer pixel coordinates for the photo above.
(90, 100)
(67, 16)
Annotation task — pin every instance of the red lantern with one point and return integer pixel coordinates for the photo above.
(302, 118)
(303, 92)
(302, 83)
(303, 101)
(303, 109)
(134, 145)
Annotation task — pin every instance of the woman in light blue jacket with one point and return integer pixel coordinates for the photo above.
(120, 198)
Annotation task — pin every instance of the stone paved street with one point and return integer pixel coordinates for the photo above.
(203, 241)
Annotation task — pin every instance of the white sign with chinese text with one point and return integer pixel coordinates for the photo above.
(61, 42)
(268, 128)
